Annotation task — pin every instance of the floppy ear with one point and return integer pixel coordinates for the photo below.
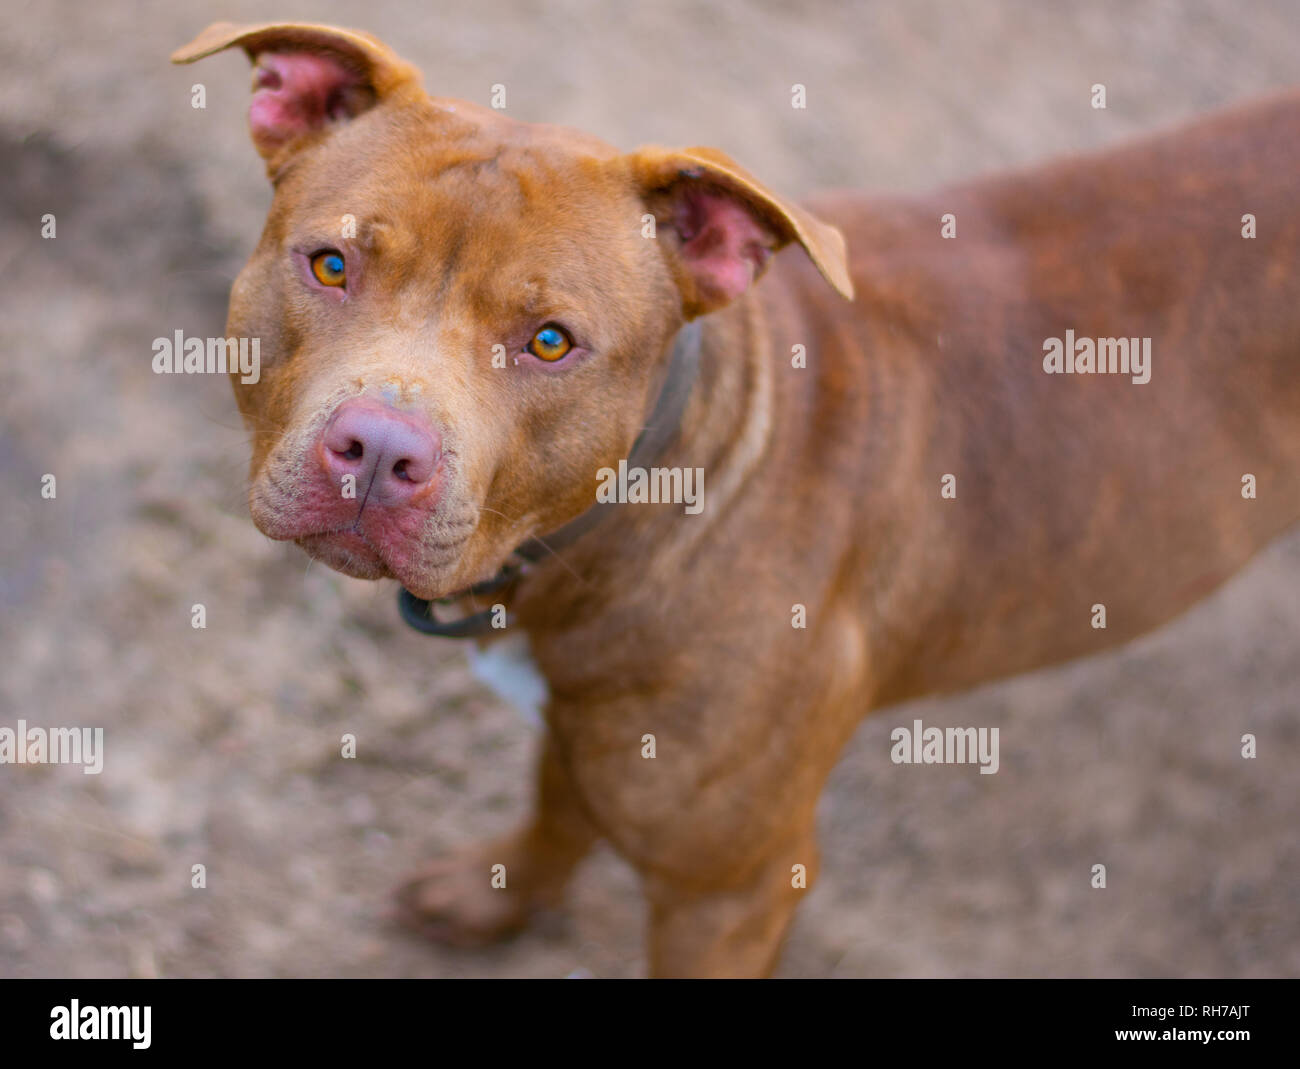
(721, 225)
(306, 76)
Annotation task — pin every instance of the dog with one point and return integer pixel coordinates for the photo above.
(933, 450)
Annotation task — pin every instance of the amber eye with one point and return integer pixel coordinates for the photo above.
(550, 343)
(327, 266)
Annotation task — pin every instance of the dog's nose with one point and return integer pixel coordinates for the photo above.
(392, 455)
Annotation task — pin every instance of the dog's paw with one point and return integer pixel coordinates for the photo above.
(453, 900)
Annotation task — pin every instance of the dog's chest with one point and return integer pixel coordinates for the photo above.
(507, 666)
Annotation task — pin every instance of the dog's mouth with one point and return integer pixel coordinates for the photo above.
(348, 552)
(352, 553)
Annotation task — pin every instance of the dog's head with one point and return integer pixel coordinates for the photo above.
(461, 318)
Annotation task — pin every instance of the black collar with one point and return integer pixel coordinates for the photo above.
(665, 420)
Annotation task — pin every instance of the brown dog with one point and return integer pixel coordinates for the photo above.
(468, 322)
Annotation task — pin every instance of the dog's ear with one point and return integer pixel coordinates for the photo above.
(305, 76)
(721, 225)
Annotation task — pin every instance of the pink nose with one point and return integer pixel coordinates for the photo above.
(392, 455)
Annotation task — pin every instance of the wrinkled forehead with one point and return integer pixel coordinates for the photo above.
(449, 151)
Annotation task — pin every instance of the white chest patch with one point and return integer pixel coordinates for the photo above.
(507, 666)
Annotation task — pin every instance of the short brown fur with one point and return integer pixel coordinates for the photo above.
(824, 481)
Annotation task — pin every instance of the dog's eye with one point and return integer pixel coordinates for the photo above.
(550, 343)
(327, 266)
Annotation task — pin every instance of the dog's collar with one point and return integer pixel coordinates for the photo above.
(665, 420)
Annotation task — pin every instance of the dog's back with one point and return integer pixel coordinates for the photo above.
(1140, 484)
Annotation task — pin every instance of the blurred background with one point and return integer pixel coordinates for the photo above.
(223, 744)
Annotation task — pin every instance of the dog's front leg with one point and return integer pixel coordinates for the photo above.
(454, 899)
(734, 928)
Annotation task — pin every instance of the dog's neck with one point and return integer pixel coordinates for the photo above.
(725, 430)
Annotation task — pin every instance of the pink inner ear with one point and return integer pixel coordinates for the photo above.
(724, 245)
(294, 92)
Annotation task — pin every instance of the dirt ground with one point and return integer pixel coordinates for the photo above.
(222, 744)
